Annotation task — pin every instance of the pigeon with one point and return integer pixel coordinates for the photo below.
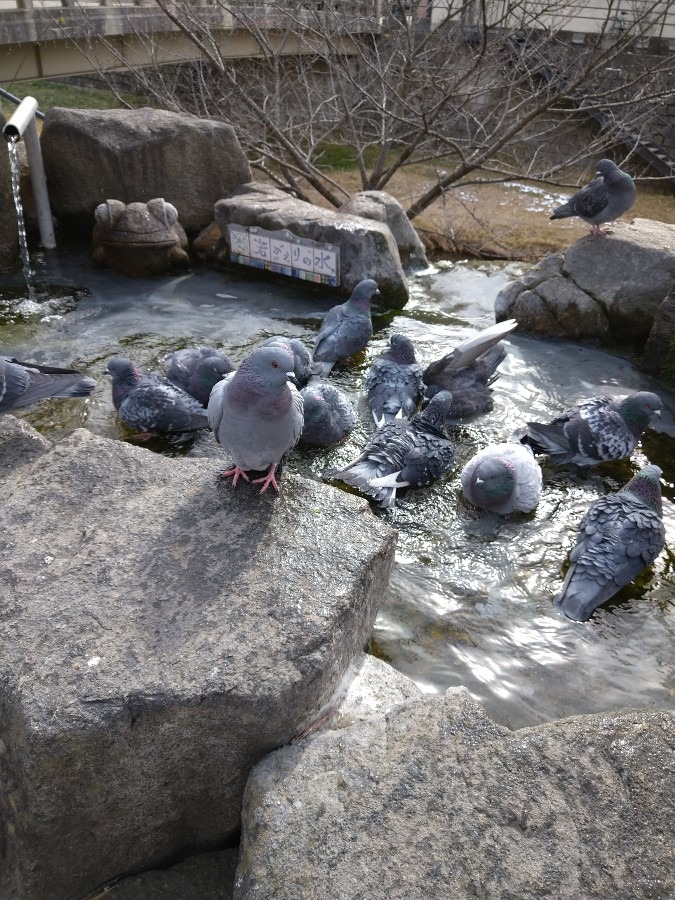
(150, 403)
(469, 370)
(256, 415)
(503, 478)
(328, 414)
(302, 357)
(346, 328)
(23, 383)
(594, 430)
(608, 196)
(394, 382)
(620, 535)
(196, 370)
(402, 454)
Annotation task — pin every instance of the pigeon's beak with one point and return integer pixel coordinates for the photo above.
(291, 377)
(657, 413)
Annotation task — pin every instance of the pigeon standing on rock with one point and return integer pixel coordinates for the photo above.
(346, 328)
(196, 370)
(394, 382)
(594, 430)
(620, 535)
(256, 415)
(151, 404)
(503, 478)
(302, 358)
(608, 196)
(23, 383)
(469, 370)
(402, 454)
(328, 414)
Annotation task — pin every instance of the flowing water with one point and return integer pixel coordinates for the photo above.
(470, 599)
(15, 169)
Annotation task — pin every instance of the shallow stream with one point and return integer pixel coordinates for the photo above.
(470, 599)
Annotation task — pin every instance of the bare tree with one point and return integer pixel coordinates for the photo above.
(483, 90)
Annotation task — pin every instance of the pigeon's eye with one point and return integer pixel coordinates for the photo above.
(275, 365)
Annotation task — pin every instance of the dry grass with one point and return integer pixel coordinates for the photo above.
(489, 221)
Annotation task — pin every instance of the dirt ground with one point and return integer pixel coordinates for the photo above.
(506, 221)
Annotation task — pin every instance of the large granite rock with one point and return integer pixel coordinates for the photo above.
(136, 155)
(160, 633)
(435, 800)
(367, 247)
(602, 287)
(9, 235)
(382, 207)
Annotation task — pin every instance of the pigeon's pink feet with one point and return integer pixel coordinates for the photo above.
(237, 472)
(601, 232)
(268, 480)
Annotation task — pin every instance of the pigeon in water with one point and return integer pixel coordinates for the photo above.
(608, 196)
(256, 415)
(593, 431)
(503, 478)
(402, 454)
(195, 370)
(301, 356)
(394, 382)
(23, 383)
(346, 328)
(151, 404)
(469, 370)
(328, 414)
(620, 535)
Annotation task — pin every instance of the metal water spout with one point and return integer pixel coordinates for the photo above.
(22, 124)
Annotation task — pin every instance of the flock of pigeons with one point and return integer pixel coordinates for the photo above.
(278, 397)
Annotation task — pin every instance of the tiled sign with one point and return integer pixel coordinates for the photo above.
(284, 253)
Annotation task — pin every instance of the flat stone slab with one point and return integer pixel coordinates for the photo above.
(435, 800)
(160, 633)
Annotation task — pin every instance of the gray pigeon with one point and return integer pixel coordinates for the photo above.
(301, 356)
(328, 414)
(620, 535)
(151, 404)
(503, 478)
(469, 370)
(402, 454)
(346, 328)
(23, 383)
(593, 431)
(608, 196)
(256, 415)
(394, 382)
(195, 370)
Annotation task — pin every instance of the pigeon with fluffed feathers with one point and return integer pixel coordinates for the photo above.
(394, 382)
(302, 358)
(469, 370)
(346, 328)
(619, 536)
(197, 369)
(256, 414)
(328, 415)
(611, 194)
(503, 478)
(594, 430)
(23, 383)
(151, 404)
(402, 453)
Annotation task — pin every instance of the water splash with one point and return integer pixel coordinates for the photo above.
(15, 166)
